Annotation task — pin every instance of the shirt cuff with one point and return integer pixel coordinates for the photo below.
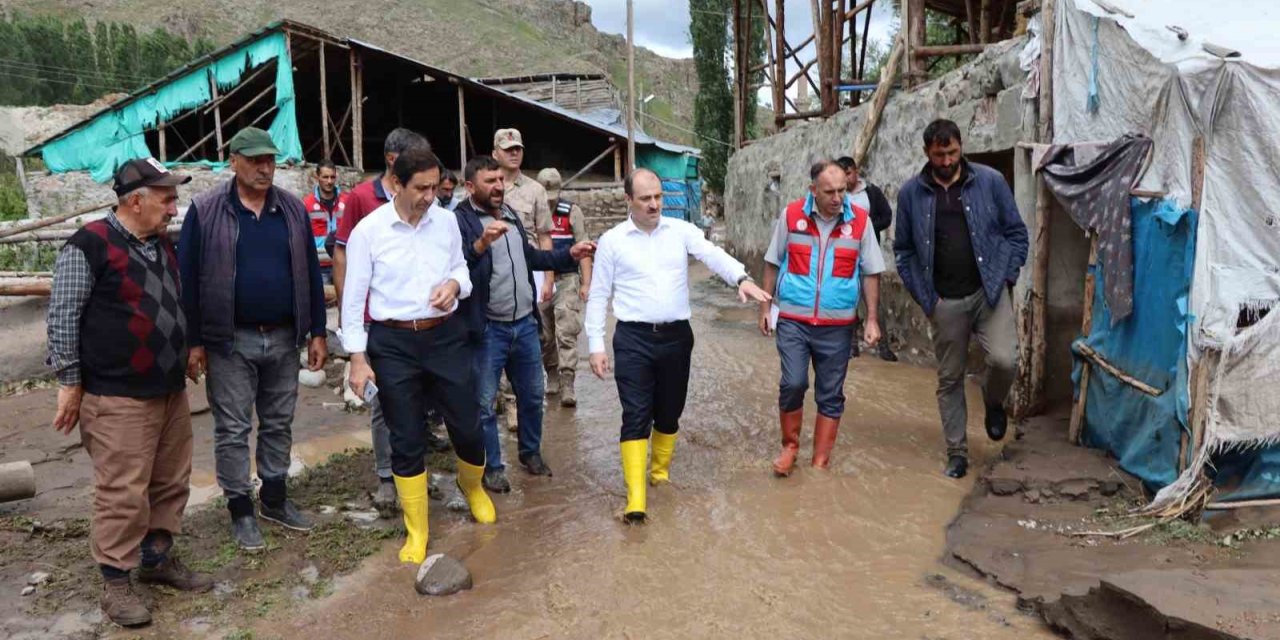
(355, 339)
(70, 376)
(595, 344)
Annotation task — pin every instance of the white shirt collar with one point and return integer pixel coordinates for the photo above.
(630, 225)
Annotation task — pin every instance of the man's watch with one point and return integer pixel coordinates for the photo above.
(744, 278)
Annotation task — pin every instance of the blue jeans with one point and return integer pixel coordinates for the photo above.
(513, 347)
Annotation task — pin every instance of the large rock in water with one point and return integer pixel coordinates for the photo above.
(442, 575)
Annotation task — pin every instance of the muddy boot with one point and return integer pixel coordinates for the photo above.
(470, 484)
(568, 398)
(664, 446)
(121, 604)
(384, 498)
(413, 503)
(791, 421)
(171, 572)
(824, 439)
(634, 454)
(553, 382)
(957, 467)
(886, 352)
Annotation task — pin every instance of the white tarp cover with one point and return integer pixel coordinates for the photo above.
(1150, 81)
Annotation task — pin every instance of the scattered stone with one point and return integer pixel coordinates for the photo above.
(327, 510)
(309, 574)
(309, 378)
(442, 575)
(28, 590)
(223, 589)
(38, 577)
(363, 516)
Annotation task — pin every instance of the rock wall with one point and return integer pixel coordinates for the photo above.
(983, 97)
(50, 194)
(602, 208)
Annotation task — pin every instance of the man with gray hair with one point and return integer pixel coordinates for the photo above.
(117, 340)
(253, 295)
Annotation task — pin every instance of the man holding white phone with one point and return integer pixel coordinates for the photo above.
(406, 258)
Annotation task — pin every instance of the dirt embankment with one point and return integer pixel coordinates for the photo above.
(1025, 525)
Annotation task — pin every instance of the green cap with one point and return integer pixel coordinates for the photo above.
(252, 141)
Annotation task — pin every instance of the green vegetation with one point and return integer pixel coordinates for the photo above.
(48, 60)
(713, 106)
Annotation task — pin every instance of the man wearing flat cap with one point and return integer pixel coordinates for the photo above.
(117, 341)
(253, 295)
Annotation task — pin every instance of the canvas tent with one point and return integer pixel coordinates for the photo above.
(1202, 80)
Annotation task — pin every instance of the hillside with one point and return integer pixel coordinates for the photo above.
(474, 37)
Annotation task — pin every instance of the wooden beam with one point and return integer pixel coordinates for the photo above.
(52, 220)
(325, 122)
(803, 115)
(887, 77)
(914, 24)
(856, 96)
(31, 287)
(861, 71)
(1197, 172)
(1040, 255)
(984, 22)
(462, 129)
(857, 8)
(780, 98)
(613, 148)
(617, 164)
(1076, 426)
(803, 72)
(971, 17)
(217, 118)
(164, 145)
(1085, 350)
(739, 82)
(221, 98)
(221, 145)
(1199, 410)
(357, 111)
(931, 51)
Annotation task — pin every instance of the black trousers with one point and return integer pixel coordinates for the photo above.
(417, 369)
(651, 367)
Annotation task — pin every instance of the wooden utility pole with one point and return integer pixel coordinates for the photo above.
(780, 70)
(1040, 255)
(739, 82)
(324, 104)
(631, 87)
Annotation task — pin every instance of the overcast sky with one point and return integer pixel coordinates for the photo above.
(663, 25)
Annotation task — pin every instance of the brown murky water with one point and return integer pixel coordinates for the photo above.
(729, 551)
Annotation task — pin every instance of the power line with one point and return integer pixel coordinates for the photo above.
(680, 128)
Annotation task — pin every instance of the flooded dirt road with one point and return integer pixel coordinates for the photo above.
(729, 551)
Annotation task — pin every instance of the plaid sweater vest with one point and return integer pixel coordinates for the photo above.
(132, 330)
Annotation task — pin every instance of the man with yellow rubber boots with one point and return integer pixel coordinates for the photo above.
(406, 259)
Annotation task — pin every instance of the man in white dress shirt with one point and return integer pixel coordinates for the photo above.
(643, 264)
(406, 259)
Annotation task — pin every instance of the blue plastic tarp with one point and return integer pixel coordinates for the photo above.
(1144, 432)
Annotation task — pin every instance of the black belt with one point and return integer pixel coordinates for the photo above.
(654, 327)
(264, 328)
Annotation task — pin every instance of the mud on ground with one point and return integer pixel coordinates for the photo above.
(1022, 527)
(293, 567)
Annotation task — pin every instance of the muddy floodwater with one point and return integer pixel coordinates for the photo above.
(729, 551)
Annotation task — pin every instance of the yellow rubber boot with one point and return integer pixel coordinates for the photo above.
(634, 454)
(413, 504)
(469, 476)
(664, 445)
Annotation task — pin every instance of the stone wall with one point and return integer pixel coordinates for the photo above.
(602, 208)
(983, 97)
(50, 194)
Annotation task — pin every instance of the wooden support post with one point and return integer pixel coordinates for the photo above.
(1076, 426)
(324, 104)
(164, 145)
(913, 24)
(887, 77)
(617, 163)
(861, 71)
(1040, 255)
(934, 50)
(20, 168)
(1197, 172)
(1200, 371)
(217, 118)
(357, 112)
(462, 129)
(28, 287)
(836, 30)
(739, 79)
(780, 70)
(52, 220)
(971, 17)
(984, 22)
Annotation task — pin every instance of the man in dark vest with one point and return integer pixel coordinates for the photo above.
(562, 316)
(117, 340)
(253, 294)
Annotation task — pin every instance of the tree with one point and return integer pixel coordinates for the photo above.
(713, 106)
(757, 47)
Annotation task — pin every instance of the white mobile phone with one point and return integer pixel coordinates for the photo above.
(370, 391)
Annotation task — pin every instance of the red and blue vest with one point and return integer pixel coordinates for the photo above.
(562, 229)
(819, 285)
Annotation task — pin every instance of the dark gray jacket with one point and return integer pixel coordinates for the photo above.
(996, 230)
(207, 254)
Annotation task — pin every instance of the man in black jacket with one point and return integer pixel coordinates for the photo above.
(869, 197)
(502, 313)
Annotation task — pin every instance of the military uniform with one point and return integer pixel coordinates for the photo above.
(562, 315)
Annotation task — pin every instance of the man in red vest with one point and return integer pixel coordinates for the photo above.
(325, 206)
(823, 245)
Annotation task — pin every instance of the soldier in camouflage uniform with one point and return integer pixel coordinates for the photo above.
(562, 315)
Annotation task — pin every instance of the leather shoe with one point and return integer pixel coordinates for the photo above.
(495, 480)
(957, 467)
(997, 422)
(287, 516)
(534, 465)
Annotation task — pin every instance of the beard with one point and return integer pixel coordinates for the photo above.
(945, 173)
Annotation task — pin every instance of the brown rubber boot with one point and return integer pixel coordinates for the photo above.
(791, 421)
(824, 439)
(173, 573)
(121, 604)
(567, 397)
